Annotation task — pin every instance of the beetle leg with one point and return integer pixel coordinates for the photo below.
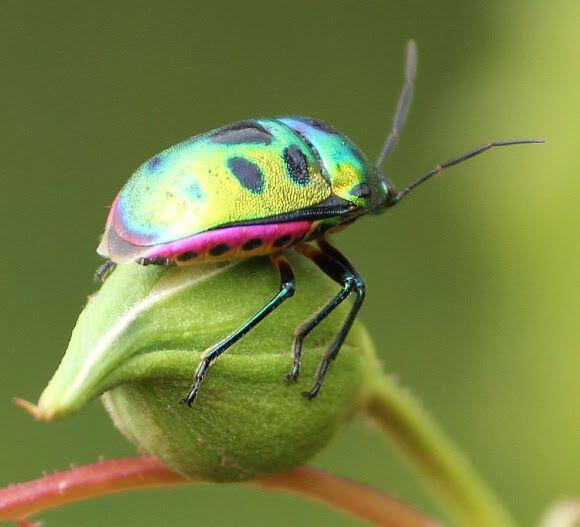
(340, 275)
(337, 267)
(287, 288)
(103, 271)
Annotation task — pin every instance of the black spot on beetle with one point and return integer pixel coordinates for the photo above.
(319, 125)
(186, 256)
(220, 249)
(297, 165)
(240, 133)
(283, 240)
(360, 190)
(247, 173)
(152, 261)
(316, 155)
(252, 244)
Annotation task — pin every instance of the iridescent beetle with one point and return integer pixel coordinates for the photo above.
(258, 187)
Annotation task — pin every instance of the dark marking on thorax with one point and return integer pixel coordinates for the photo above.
(296, 165)
(316, 154)
(360, 190)
(241, 133)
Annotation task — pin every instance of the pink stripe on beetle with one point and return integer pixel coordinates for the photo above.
(232, 239)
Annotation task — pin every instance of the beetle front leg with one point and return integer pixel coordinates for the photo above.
(337, 267)
(332, 352)
(304, 329)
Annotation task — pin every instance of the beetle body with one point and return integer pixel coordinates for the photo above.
(258, 187)
(240, 191)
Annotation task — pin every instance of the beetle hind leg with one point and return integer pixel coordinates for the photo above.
(104, 270)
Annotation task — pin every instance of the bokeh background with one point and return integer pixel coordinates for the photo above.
(473, 282)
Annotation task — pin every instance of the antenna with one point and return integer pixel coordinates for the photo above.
(404, 103)
(399, 121)
(456, 160)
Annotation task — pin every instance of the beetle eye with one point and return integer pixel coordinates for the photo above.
(385, 182)
(386, 185)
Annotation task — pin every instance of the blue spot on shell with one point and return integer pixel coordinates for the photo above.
(195, 192)
(154, 163)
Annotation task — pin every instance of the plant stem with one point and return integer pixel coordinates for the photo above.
(19, 502)
(444, 470)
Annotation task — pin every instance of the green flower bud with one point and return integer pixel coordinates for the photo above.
(140, 338)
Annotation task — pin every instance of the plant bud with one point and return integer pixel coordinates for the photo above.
(141, 336)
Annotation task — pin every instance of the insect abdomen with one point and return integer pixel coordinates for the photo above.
(232, 243)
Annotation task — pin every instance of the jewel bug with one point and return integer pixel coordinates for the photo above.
(259, 187)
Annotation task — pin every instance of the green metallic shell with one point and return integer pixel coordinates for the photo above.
(248, 171)
(351, 176)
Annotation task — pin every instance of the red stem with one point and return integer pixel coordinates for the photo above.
(19, 502)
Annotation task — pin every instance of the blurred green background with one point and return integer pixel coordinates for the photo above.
(473, 282)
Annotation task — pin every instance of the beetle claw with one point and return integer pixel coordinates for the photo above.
(188, 401)
(294, 372)
(291, 377)
(310, 395)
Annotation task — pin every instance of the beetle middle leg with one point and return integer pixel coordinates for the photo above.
(287, 288)
(337, 267)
